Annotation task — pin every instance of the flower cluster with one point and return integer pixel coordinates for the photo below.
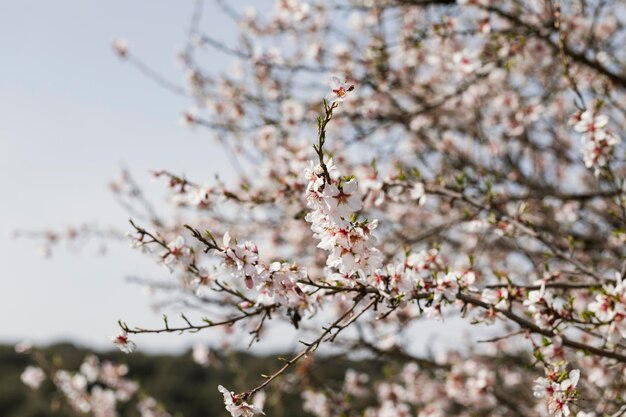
(416, 270)
(609, 307)
(97, 387)
(240, 260)
(597, 141)
(471, 383)
(149, 407)
(334, 203)
(541, 304)
(277, 283)
(558, 389)
(414, 391)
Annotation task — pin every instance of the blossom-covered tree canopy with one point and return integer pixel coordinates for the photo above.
(400, 161)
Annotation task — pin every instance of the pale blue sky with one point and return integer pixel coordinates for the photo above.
(70, 113)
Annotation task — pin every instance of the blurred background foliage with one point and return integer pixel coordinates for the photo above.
(185, 388)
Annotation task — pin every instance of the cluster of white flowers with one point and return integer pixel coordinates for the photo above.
(97, 387)
(355, 383)
(316, 403)
(194, 196)
(177, 252)
(290, 12)
(471, 383)
(609, 308)
(240, 260)
(558, 389)
(276, 283)
(200, 284)
(149, 407)
(444, 288)
(425, 271)
(597, 141)
(334, 204)
(543, 304)
(466, 61)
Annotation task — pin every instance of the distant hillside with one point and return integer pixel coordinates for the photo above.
(186, 389)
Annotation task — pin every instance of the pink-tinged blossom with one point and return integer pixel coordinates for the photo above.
(609, 307)
(433, 311)
(90, 368)
(554, 352)
(355, 383)
(603, 307)
(292, 113)
(538, 297)
(23, 347)
(201, 283)
(276, 283)
(120, 47)
(591, 123)
(559, 392)
(149, 407)
(339, 90)
(446, 286)
(281, 285)
(199, 196)
(471, 383)
(124, 343)
(541, 303)
(544, 387)
(350, 242)
(291, 12)
(341, 202)
(178, 252)
(32, 377)
(74, 387)
(316, 403)
(246, 257)
(499, 297)
(314, 175)
(188, 118)
(240, 260)
(103, 402)
(236, 407)
(569, 384)
(597, 141)
(466, 61)
(201, 355)
(558, 405)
